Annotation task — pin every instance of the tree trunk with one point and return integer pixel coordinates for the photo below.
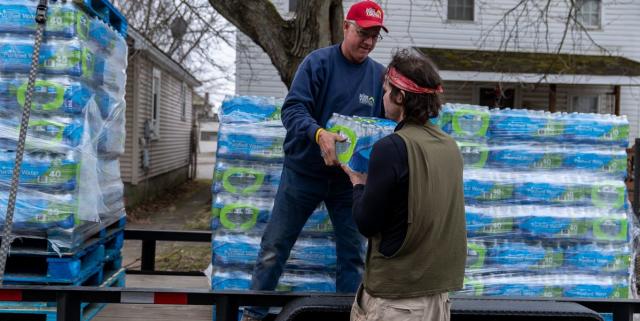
(317, 24)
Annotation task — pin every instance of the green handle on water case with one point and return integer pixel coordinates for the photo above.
(226, 184)
(52, 105)
(227, 223)
(345, 156)
(455, 123)
(595, 197)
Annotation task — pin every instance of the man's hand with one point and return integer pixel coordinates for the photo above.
(327, 142)
(356, 178)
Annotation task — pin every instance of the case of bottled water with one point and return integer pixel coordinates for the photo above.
(360, 134)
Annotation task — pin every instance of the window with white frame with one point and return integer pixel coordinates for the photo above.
(600, 104)
(155, 103)
(183, 101)
(589, 12)
(460, 10)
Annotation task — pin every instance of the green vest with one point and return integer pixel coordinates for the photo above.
(432, 257)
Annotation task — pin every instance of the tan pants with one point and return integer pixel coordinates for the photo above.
(426, 308)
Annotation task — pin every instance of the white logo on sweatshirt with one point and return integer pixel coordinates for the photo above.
(367, 100)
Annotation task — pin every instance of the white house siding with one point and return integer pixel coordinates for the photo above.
(126, 160)
(171, 150)
(423, 23)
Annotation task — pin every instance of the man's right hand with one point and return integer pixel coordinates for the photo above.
(327, 142)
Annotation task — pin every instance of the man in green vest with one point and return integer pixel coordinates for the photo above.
(411, 205)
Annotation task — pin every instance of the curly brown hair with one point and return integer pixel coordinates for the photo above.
(418, 108)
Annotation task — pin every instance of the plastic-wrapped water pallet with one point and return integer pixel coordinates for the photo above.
(546, 206)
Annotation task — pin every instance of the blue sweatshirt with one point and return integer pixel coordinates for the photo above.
(326, 83)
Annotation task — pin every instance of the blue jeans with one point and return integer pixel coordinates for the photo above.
(297, 197)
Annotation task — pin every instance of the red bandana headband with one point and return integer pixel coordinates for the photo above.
(406, 84)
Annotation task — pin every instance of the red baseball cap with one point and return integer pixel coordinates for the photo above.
(366, 14)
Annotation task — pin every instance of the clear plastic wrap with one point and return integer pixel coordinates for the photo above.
(360, 133)
(70, 176)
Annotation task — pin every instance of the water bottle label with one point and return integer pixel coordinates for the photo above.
(609, 163)
(596, 291)
(584, 131)
(544, 226)
(479, 224)
(476, 190)
(525, 159)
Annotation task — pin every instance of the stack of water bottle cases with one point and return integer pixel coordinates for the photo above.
(546, 203)
(247, 175)
(69, 214)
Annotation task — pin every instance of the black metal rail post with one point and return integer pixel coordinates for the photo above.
(68, 306)
(149, 240)
(226, 309)
(148, 255)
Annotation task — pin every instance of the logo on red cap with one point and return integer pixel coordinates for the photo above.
(366, 14)
(370, 12)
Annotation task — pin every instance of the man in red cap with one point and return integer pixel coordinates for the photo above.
(337, 79)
